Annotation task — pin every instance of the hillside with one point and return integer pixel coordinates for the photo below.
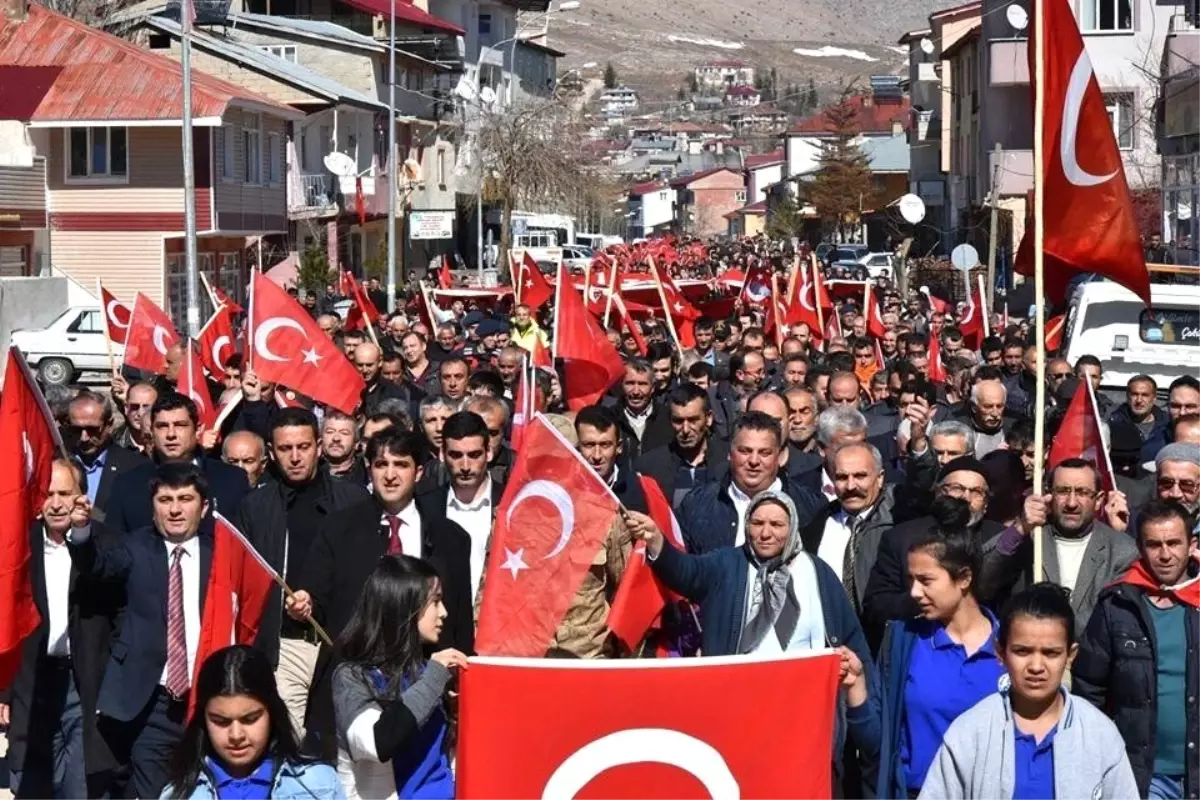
(653, 43)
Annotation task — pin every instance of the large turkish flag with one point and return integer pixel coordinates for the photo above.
(682, 727)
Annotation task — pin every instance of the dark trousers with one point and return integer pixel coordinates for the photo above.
(145, 745)
(53, 764)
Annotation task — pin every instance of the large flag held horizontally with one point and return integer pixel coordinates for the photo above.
(1079, 436)
(1088, 214)
(151, 333)
(287, 347)
(28, 443)
(553, 519)
(590, 363)
(677, 727)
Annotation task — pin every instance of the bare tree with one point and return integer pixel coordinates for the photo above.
(96, 13)
(532, 157)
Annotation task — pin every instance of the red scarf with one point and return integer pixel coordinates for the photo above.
(1186, 593)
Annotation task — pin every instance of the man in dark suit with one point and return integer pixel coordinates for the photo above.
(163, 569)
(50, 709)
(368, 359)
(643, 419)
(694, 456)
(350, 543)
(89, 435)
(174, 424)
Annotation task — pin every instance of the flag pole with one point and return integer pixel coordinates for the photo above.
(1039, 278)
(511, 271)
(792, 277)
(612, 287)
(192, 294)
(812, 257)
(1096, 413)
(250, 323)
(112, 359)
(558, 287)
(212, 296)
(662, 296)
(986, 310)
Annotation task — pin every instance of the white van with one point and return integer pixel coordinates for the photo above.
(1110, 322)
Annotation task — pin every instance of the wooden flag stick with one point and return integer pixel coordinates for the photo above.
(986, 309)
(212, 296)
(612, 287)
(287, 590)
(1039, 277)
(112, 359)
(812, 258)
(662, 295)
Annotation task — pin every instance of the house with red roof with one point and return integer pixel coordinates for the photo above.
(742, 96)
(98, 120)
(704, 198)
(650, 207)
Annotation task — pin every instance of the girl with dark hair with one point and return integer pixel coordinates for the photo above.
(239, 743)
(936, 666)
(387, 692)
(1032, 739)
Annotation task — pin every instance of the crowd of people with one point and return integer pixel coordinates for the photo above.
(824, 501)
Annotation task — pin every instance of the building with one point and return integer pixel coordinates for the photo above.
(1179, 136)
(704, 198)
(98, 119)
(650, 207)
(619, 98)
(762, 170)
(536, 68)
(760, 117)
(742, 96)
(747, 221)
(717, 75)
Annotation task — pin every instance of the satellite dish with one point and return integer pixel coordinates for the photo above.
(964, 257)
(487, 96)
(912, 208)
(926, 45)
(412, 171)
(340, 164)
(1017, 17)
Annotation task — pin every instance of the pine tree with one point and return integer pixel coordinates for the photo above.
(783, 219)
(610, 76)
(842, 186)
(813, 101)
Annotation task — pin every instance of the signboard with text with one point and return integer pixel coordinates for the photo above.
(430, 225)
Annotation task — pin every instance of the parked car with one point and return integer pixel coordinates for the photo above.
(577, 257)
(70, 345)
(879, 265)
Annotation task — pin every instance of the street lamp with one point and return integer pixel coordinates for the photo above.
(478, 93)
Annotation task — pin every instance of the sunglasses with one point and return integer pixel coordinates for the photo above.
(139, 406)
(90, 430)
(1185, 486)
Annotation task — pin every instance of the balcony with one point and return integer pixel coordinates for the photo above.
(1008, 62)
(1182, 46)
(314, 195)
(1015, 175)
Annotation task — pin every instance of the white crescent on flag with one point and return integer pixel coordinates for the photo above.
(160, 343)
(111, 310)
(561, 500)
(264, 331)
(1077, 87)
(220, 344)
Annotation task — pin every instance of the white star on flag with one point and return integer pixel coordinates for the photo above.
(514, 562)
(311, 356)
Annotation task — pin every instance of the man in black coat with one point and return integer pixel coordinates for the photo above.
(644, 422)
(281, 519)
(174, 422)
(694, 456)
(350, 542)
(888, 588)
(89, 436)
(368, 359)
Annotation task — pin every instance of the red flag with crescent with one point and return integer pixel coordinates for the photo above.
(875, 326)
(287, 347)
(532, 287)
(1089, 222)
(971, 324)
(590, 363)
(808, 294)
(151, 333)
(116, 316)
(756, 291)
(552, 521)
(215, 342)
(633, 728)
(192, 384)
(1079, 436)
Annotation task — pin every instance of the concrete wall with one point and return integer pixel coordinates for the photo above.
(30, 303)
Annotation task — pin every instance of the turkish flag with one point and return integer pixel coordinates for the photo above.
(937, 370)
(678, 306)
(973, 324)
(833, 325)
(640, 596)
(1089, 223)
(875, 326)
(151, 333)
(192, 384)
(629, 323)
(29, 443)
(363, 313)
(938, 305)
(287, 347)
(1079, 436)
(223, 300)
(808, 294)
(541, 356)
(756, 290)
(116, 316)
(1054, 332)
(239, 585)
(590, 364)
(532, 287)
(551, 522)
(445, 279)
(680, 727)
(215, 342)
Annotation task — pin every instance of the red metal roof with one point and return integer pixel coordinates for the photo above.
(874, 116)
(759, 207)
(685, 180)
(741, 90)
(97, 76)
(406, 12)
(639, 189)
(764, 159)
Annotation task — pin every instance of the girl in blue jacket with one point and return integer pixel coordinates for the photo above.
(240, 743)
(934, 667)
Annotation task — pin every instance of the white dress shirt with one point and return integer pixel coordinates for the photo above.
(189, 567)
(475, 518)
(57, 566)
(638, 421)
(410, 529)
(835, 540)
(741, 502)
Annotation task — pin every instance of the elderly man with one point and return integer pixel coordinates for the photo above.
(246, 451)
(136, 400)
(89, 435)
(339, 448)
(888, 592)
(1079, 552)
(1177, 470)
(644, 424)
(986, 415)
(329, 324)
(368, 359)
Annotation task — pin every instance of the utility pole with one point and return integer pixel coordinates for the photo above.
(393, 168)
(993, 201)
(192, 289)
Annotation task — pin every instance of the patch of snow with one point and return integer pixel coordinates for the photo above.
(706, 42)
(833, 52)
(899, 49)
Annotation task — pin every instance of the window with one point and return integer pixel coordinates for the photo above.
(1120, 112)
(252, 148)
(97, 153)
(740, 195)
(1106, 15)
(230, 276)
(176, 291)
(86, 322)
(227, 154)
(285, 51)
(1170, 326)
(274, 159)
(485, 24)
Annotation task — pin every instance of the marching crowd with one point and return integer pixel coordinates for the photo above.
(823, 501)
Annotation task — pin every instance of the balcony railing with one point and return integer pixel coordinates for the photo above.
(315, 193)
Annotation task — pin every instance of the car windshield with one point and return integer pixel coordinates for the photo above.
(1170, 326)
(848, 253)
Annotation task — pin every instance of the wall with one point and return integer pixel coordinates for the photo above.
(760, 178)
(23, 192)
(31, 302)
(802, 154)
(245, 207)
(715, 196)
(127, 262)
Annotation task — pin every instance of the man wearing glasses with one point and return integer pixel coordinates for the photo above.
(1078, 552)
(1178, 475)
(89, 435)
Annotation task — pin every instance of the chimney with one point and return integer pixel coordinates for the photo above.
(14, 10)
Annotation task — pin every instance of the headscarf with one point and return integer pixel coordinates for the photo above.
(772, 580)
